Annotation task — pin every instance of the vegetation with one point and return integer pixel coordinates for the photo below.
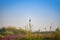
(57, 34)
(23, 35)
(11, 31)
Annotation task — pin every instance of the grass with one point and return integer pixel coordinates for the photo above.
(37, 38)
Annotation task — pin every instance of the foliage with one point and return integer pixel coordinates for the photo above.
(11, 31)
(14, 31)
(57, 34)
(1, 36)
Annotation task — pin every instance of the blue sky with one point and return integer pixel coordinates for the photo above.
(41, 12)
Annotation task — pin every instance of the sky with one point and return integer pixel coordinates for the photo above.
(42, 13)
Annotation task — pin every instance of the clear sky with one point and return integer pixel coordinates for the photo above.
(42, 13)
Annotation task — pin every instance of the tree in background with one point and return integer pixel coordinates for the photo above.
(45, 28)
(2, 30)
(50, 27)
